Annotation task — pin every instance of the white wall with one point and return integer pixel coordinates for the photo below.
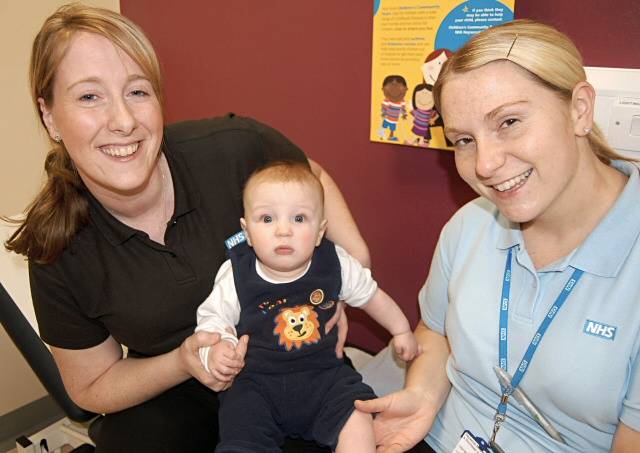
(21, 159)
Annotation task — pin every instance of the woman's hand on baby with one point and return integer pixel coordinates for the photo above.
(190, 362)
(405, 346)
(404, 419)
(189, 357)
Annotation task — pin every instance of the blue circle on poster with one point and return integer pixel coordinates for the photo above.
(469, 18)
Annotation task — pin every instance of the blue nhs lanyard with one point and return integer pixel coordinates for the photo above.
(535, 341)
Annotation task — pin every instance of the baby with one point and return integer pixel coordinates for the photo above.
(280, 287)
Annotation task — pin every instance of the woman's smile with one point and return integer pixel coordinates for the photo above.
(513, 183)
(120, 150)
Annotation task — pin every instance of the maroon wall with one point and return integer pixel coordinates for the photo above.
(304, 67)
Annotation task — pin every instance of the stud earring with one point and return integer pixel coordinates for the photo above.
(587, 130)
(57, 138)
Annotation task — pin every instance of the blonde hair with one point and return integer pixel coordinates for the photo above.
(285, 171)
(548, 56)
(60, 209)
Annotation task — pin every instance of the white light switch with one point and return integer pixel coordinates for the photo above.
(621, 124)
(635, 126)
(617, 110)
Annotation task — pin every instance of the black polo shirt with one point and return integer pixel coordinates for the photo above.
(114, 280)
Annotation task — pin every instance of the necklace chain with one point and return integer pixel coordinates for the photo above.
(163, 220)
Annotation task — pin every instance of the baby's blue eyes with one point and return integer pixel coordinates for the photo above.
(297, 219)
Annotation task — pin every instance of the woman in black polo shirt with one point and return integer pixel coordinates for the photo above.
(126, 237)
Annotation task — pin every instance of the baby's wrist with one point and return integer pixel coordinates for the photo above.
(402, 333)
(226, 336)
(224, 341)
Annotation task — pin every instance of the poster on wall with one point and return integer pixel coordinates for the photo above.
(411, 41)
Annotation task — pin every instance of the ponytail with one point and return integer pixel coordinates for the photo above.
(55, 216)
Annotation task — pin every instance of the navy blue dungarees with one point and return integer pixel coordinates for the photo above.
(292, 384)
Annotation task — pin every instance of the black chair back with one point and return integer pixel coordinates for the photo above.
(37, 356)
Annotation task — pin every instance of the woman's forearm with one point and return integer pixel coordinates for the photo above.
(98, 379)
(341, 227)
(132, 381)
(103, 387)
(427, 373)
(625, 440)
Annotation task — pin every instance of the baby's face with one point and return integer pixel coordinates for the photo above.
(284, 222)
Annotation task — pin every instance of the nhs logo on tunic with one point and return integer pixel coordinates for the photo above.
(235, 239)
(600, 329)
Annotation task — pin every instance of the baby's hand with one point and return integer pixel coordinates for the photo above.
(224, 362)
(406, 346)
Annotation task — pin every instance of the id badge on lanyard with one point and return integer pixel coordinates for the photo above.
(469, 443)
(525, 362)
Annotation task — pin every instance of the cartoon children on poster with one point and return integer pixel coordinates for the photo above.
(424, 115)
(394, 88)
(412, 40)
(393, 107)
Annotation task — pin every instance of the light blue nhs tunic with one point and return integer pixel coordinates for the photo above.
(585, 379)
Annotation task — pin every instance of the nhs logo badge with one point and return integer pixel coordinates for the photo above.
(599, 329)
(235, 239)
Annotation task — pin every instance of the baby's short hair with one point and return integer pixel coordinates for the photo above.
(285, 171)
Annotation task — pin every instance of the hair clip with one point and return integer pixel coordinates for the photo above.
(512, 44)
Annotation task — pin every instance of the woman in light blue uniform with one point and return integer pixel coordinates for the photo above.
(538, 279)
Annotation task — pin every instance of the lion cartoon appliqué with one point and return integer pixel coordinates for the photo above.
(297, 326)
